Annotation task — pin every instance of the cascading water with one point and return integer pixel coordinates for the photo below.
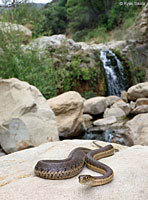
(115, 78)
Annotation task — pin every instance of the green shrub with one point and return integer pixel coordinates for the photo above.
(26, 65)
(80, 35)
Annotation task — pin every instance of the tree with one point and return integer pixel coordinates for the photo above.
(85, 14)
(55, 18)
(12, 4)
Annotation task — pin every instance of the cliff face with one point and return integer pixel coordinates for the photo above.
(139, 30)
(137, 46)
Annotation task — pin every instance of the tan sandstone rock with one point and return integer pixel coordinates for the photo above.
(26, 119)
(141, 106)
(138, 91)
(141, 101)
(105, 121)
(112, 99)
(138, 129)
(17, 180)
(68, 108)
(124, 106)
(95, 105)
(88, 120)
(119, 109)
(140, 109)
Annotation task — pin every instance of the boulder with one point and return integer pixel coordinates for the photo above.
(140, 109)
(111, 100)
(20, 29)
(88, 120)
(141, 101)
(17, 180)
(138, 91)
(95, 105)
(124, 106)
(68, 109)
(119, 109)
(123, 139)
(114, 111)
(26, 119)
(105, 121)
(124, 96)
(2, 153)
(138, 129)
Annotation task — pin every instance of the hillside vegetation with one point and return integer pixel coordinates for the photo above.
(82, 20)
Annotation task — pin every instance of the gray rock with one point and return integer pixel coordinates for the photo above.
(114, 111)
(111, 100)
(105, 121)
(26, 119)
(138, 91)
(124, 106)
(88, 120)
(138, 129)
(141, 101)
(45, 42)
(140, 109)
(95, 105)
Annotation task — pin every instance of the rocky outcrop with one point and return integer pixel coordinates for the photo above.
(138, 129)
(20, 29)
(129, 166)
(95, 106)
(68, 109)
(137, 45)
(26, 119)
(139, 30)
(45, 42)
(58, 41)
(138, 91)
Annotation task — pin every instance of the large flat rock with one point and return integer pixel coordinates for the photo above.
(18, 182)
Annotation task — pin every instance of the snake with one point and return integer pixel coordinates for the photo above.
(73, 165)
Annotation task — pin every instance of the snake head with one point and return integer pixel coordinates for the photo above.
(86, 180)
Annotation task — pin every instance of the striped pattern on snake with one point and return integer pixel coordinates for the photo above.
(73, 164)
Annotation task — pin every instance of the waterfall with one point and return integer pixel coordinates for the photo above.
(115, 78)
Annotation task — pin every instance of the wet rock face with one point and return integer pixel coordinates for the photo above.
(26, 119)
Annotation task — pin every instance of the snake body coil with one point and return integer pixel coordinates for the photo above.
(72, 166)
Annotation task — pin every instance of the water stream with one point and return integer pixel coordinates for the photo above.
(116, 82)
